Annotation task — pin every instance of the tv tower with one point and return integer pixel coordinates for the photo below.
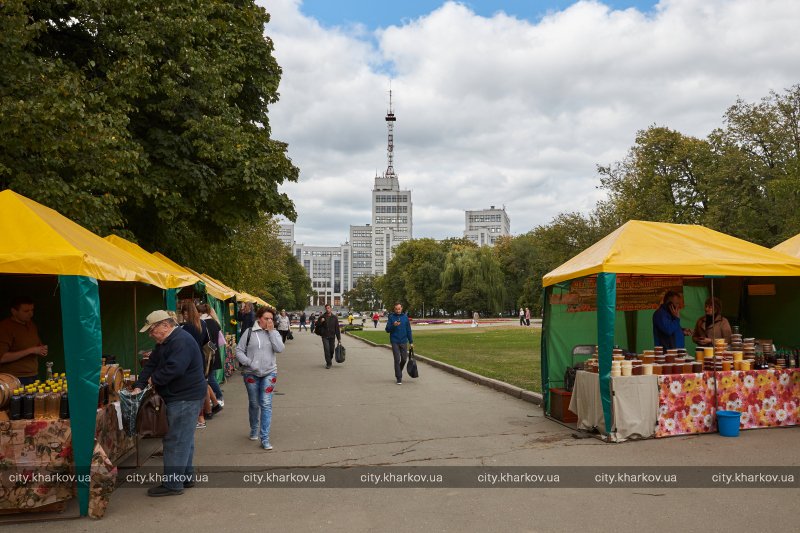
(390, 120)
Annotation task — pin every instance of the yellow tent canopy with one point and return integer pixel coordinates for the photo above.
(789, 246)
(656, 248)
(39, 240)
(179, 277)
(214, 288)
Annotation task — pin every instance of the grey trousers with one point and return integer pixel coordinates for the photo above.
(400, 352)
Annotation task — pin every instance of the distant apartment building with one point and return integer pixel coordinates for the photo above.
(286, 234)
(484, 226)
(328, 267)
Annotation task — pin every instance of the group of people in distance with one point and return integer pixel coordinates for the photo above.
(667, 330)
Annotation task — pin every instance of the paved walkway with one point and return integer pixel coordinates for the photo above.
(355, 414)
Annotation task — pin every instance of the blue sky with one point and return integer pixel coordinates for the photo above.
(493, 110)
(374, 14)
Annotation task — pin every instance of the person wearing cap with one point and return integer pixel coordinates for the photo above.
(175, 369)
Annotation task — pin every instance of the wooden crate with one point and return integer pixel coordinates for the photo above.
(559, 406)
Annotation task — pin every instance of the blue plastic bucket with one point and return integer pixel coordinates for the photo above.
(728, 423)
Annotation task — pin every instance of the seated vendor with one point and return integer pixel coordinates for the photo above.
(20, 346)
(667, 331)
(712, 325)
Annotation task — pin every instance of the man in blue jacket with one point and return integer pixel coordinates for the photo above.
(667, 330)
(399, 329)
(175, 368)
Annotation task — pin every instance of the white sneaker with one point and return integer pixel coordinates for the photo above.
(253, 437)
(221, 403)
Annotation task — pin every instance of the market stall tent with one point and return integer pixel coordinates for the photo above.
(646, 256)
(38, 240)
(790, 246)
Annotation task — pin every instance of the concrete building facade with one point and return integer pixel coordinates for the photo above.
(484, 226)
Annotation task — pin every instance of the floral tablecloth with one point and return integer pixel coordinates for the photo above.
(36, 462)
(766, 398)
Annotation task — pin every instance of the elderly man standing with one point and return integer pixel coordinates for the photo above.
(175, 369)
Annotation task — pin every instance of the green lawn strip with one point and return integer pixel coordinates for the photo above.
(509, 354)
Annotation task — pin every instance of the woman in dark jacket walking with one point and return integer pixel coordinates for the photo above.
(214, 330)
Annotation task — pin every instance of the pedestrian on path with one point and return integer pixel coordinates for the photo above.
(302, 322)
(175, 369)
(256, 354)
(521, 316)
(399, 328)
(375, 318)
(475, 317)
(282, 324)
(328, 328)
(527, 316)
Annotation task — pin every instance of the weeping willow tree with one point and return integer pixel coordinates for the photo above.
(472, 280)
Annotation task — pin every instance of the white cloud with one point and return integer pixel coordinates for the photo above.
(503, 111)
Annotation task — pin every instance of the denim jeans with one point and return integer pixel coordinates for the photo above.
(328, 346)
(179, 442)
(212, 382)
(400, 352)
(259, 395)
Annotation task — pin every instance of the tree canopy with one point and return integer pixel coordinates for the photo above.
(150, 120)
(143, 118)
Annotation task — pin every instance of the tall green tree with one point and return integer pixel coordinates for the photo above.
(143, 118)
(364, 295)
(474, 278)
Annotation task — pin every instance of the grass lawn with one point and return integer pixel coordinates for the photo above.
(507, 353)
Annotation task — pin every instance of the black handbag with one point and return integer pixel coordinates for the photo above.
(289, 335)
(411, 365)
(339, 353)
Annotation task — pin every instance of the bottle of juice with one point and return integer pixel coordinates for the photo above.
(39, 404)
(53, 404)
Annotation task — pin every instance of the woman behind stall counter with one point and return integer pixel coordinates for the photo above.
(712, 325)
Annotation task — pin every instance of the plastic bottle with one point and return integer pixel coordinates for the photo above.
(63, 411)
(15, 405)
(28, 403)
(39, 404)
(53, 404)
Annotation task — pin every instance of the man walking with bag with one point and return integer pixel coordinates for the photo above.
(399, 328)
(175, 368)
(328, 328)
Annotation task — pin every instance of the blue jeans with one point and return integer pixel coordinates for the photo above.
(259, 396)
(212, 382)
(179, 442)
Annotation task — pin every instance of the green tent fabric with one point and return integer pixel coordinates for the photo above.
(125, 307)
(80, 309)
(606, 315)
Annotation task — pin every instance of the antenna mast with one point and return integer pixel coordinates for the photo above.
(390, 120)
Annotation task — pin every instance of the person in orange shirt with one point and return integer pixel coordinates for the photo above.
(20, 345)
